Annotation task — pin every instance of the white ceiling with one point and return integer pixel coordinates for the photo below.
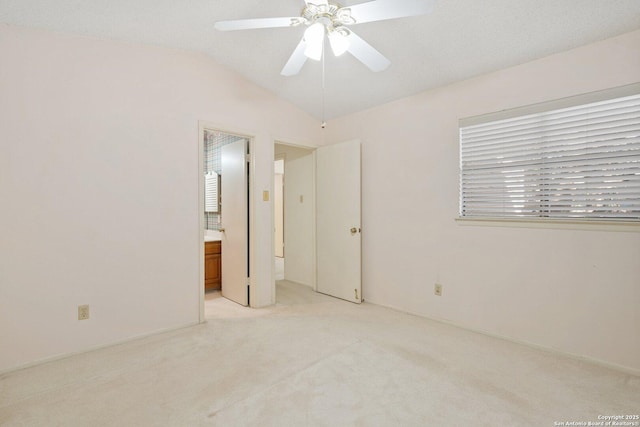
(458, 40)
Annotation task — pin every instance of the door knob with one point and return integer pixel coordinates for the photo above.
(354, 230)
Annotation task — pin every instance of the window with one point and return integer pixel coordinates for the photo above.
(211, 192)
(577, 162)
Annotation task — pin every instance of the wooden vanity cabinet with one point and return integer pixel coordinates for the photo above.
(212, 266)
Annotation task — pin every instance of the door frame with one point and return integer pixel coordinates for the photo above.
(202, 126)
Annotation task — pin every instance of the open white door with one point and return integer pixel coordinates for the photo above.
(234, 212)
(338, 221)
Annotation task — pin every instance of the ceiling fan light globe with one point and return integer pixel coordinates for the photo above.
(314, 33)
(314, 51)
(314, 38)
(339, 43)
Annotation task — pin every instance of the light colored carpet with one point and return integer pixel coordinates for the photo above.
(312, 360)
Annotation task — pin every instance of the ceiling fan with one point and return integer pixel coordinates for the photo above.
(323, 18)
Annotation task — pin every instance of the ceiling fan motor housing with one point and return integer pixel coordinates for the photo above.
(331, 15)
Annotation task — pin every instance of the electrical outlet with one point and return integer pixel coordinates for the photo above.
(83, 312)
(437, 289)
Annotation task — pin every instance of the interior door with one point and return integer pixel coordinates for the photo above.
(234, 213)
(338, 221)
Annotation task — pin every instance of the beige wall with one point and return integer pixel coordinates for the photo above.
(98, 182)
(299, 228)
(278, 208)
(99, 186)
(577, 291)
(299, 221)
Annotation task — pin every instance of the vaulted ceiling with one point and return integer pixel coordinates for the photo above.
(459, 39)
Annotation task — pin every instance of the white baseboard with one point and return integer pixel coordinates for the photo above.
(99, 347)
(599, 362)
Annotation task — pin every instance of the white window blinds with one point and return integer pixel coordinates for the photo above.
(581, 162)
(211, 200)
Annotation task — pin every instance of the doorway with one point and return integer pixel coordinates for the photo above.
(322, 224)
(294, 226)
(225, 214)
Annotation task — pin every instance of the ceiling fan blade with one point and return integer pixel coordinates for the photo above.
(366, 53)
(250, 24)
(296, 61)
(379, 10)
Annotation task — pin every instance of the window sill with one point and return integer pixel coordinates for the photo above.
(590, 225)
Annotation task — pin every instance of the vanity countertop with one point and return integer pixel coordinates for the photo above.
(212, 236)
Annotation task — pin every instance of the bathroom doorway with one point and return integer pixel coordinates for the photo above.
(225, 189)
